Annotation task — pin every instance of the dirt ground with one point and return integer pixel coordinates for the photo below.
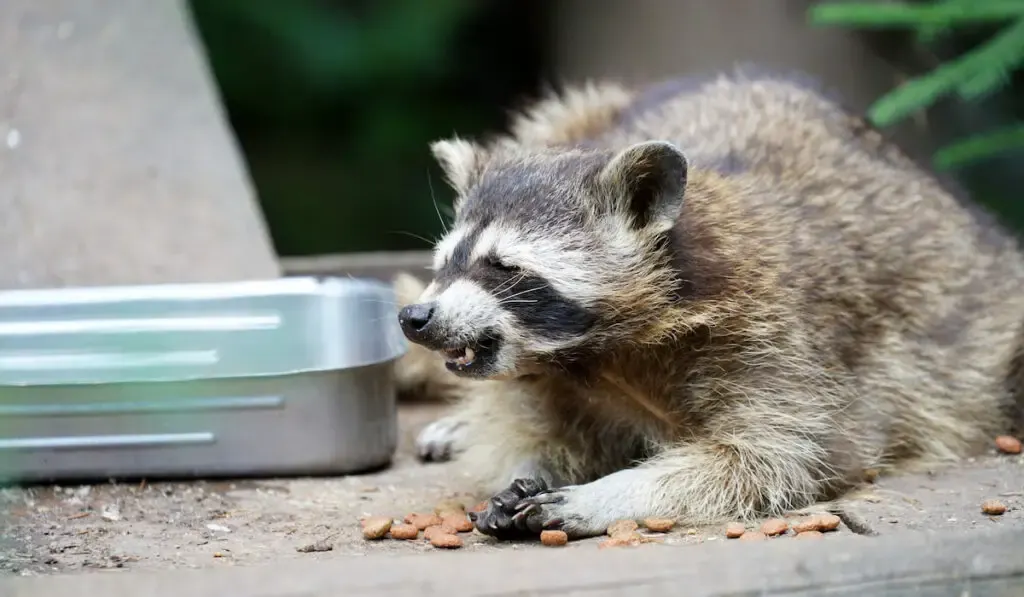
(48, 529)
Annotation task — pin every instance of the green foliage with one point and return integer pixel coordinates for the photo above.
(334, 103)
(980, 72)
(981, 146)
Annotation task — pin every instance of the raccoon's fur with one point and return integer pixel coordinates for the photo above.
(709, 300)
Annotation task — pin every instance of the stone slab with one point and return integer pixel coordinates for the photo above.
(157, 525)
(117, 163)
(929, 564)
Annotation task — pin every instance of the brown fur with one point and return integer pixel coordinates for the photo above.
(842, 311)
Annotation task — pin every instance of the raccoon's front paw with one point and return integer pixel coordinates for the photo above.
(578, 510)
(440, 440)
(499, 517)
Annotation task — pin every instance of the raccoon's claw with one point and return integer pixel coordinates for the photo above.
(500, 518)
(531, 518)
(530, 512)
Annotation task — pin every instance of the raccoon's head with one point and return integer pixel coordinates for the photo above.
(553, 253)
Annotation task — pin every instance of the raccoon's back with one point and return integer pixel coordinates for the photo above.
(834, 189)
(878, 250)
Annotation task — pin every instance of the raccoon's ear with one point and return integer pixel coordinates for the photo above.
(647, 182)
(461, 161)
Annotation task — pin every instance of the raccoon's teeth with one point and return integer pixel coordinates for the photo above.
(454, 354)
(462, 357)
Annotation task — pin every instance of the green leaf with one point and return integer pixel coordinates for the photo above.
(911, 96)
(999, 65)
(924, 90)
(888, 15)
(979, 147)
(930, 32)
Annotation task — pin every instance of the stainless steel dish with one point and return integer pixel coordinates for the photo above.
(287, 376)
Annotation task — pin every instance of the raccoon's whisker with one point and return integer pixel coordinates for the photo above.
(430, 185)
(414, 235)
(510, 283)
(520, 293)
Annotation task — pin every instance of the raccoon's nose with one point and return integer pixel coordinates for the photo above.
(415, 318)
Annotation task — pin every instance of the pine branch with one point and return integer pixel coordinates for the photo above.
(999, 66)
(930, 32)
(979, 147)
(890, 15)
(922, 91)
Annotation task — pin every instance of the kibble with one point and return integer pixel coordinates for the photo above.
(459, 523)
(753, 536)
(622, 527)
(807, 524)
(621, 540)
(437, 529)
(659, 525)
(1008, 444)
(375, 527)
(554, 538)
(993, 507)
(774, 526)
(446, 541)
(821, 522)
(422, 521)
(448, 508)
(404, 531)
(735, 530)
(828, 522)
(809, 534)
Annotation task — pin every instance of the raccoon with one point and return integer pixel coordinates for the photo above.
(710, 299)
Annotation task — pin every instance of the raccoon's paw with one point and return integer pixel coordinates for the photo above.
(440, 440)
(589, 509)
(499, 518)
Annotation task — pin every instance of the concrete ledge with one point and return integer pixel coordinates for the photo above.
(975, 563)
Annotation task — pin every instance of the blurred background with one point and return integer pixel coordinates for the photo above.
(334, 101)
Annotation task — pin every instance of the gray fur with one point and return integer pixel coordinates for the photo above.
(821, 306)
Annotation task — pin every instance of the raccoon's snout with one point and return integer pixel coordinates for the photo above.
(416, 321)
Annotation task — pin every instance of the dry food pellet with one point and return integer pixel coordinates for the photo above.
(621, 540)
(375, 527)
(809, 534)
(828, 522)
(620, 527)
(446, 541)
(1008, 444)
(659, 525)
(459, 523)
(810, 523)
(554, 538)
(993, 507)
(422, 521)
(734, 530)
(820, 522)
(774, 526)
(404, 531)
(449, 508)
(753, 536)
(437, 529)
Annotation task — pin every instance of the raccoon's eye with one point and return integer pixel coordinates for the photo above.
(503, 266)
